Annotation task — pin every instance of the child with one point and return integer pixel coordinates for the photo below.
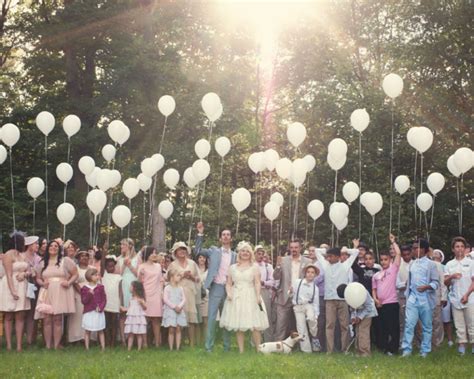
(113, 289)
(306, 306)
(94, 299)
(362, 319)
(135, 324)
(384, 292)
(173, 315)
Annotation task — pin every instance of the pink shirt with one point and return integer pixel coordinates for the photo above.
(266, 274)
(384, 282)
(221, 277)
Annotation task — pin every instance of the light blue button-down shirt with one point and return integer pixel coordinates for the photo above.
(420, 273)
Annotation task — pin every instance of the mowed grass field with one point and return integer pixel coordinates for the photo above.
(75, 362)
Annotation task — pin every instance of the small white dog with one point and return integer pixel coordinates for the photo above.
(282, 347)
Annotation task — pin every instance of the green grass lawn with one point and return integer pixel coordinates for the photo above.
(75, 362)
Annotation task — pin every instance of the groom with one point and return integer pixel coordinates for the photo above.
(220, 260)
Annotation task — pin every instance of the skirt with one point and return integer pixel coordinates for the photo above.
(93, 321)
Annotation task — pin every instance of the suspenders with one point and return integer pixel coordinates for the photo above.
(298, 292)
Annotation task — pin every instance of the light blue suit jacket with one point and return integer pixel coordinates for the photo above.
(214, 255)
(433, 281)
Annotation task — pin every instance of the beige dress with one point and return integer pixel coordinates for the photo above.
(74, 322)
(204, 304)
(61, 299)
(190, 288)
(7, 303)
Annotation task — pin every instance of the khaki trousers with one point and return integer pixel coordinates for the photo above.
(337, 309)
(363, 336)
(464, 323)
(438, 328)
(304, 314)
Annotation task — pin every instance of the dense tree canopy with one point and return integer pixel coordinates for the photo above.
(113, 59)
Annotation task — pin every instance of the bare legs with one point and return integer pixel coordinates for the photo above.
(140, 338)
(256, 336)
(240, 341)
(19, 326)
(31, 326)
(48, 330)
(192, 334)
(201, 331)
(111, 328)
(100, 334)
(174, 333)
(123, 317)
(57, 330)
(87, 338)
(155, 325)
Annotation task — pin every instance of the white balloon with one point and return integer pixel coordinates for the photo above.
(424, 201)
(342, 225)
(201, 169)
(189, 178)
(10, 134)
(374, 203)
(402, 183)
(86, 165)
(217, 113)
(130, 188)
(222, 146)
(64, 172)
(96, 200)
(165, 209)
(453, 169)
(277, 197)
(65, 213)
(271, 210)
(150, 167)
(115, 129)
(270, 158)
(463, 159)
(256, 162)
(115, 178)
(210, 104)
(350, 191)
(35, 187)
(108, 152)
(315, 209)
(420, 138)
(298, 172)
(336, 163)
(1, 134)
(355, 294)
(171, 178)
(310, 162)
(45, 122)
(337, 213)
(360, 120)
(364, 198)
(91, 178)
(166, 105)
(121, 216)
(3, 154)
(71, 125)
(283, 168)
(124, 136)
(202, 148)
(144, 182)
(160, 160)
(392, 85)
(337, 148)
(435, 182)
(241, 199)
(104, 179)
(296, 133)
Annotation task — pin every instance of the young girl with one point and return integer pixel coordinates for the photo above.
(173, 315)
(112, 282)
(94, 299)
(135, 324)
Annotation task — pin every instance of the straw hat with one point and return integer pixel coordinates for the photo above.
(310, 265)
(179, 245)
(30, 240)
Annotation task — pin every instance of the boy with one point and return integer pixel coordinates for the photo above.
(384, 292)
(402, 283)
(362, 319)
(459, 277)
(335, 274)
(306, 306)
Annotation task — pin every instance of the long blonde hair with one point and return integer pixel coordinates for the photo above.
(131, 247)
(244, 245)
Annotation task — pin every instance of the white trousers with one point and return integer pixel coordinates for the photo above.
(305, 317)
(464, 323)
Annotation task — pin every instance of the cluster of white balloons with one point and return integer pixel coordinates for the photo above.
(339, 215)
(461, 161)
(420, 138)
(118, 132)
(272, 208)
(337, 154)
(212, 106)
(372, 202)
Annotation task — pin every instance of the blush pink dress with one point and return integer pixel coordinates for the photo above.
(61, 299)
(151, 276)
(7, 303)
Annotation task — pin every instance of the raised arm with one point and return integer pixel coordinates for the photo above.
(322, 261)
(353, 254)
(200, 240)
(398, 252)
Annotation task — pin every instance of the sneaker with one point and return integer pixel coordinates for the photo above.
(450, 343)
(461, 350)
(406, 354)
(423, 355)
(316, 345)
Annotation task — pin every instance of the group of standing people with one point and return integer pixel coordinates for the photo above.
(75, 295)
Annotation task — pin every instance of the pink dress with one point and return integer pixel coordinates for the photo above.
(60, 298)
(151, 277)
(7, 303)
(136, 320)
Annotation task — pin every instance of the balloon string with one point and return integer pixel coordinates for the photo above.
(432, 214)
(256, 209)
(312, 234)
(360, 181)
(260, 206)
(34, 216)
(272, 253)
(238, 221)
(220, 198)
(426, 226)
(12, 190)
(202, 199)
(130, 223)
(64, 232)
(98, 229)
(306, 218)
(376, 241)
(399, 213)
(461, 203)
(289, 214)
(192, 215)
(65, 192)
(414, 189)
(68, 149)
(144, 218)
(337, 237)
(391, 171)
(109, 216)
(163, 135)
(421, 181)
(458, 206)
(335, 197)
(46, 184)
(295, 219)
